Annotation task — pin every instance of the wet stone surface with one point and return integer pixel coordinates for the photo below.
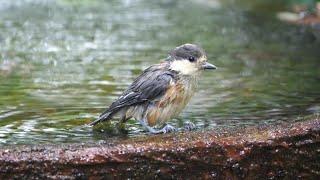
(280, 151)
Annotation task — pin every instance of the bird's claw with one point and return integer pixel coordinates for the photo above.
(168, 128)
(188, 126)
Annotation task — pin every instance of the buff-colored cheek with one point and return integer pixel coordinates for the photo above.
(185, 67)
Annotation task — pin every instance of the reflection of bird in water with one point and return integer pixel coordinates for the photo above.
(161, 91)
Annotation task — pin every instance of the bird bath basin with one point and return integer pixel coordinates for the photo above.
(280, 151)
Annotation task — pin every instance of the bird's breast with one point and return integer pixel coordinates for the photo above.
(172, 102)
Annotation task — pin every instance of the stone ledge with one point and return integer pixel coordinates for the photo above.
(280, 151)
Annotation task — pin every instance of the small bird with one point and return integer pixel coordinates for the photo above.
(161, 91)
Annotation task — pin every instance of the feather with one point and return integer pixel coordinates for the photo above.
(148, 87)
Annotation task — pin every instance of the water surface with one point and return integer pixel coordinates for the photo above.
(63, 62)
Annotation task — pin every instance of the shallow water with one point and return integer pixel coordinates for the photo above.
(63, 62)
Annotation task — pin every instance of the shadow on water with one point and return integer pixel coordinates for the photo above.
(62, 63)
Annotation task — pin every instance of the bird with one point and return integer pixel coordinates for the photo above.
(161, 91)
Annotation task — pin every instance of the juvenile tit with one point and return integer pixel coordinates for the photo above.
(161, 91)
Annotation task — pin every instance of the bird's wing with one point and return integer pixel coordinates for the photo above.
(150, 85)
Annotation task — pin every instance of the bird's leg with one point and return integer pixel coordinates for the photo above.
(165, 129)
(150, 129)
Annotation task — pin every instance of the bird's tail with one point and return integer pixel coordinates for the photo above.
(102, 117)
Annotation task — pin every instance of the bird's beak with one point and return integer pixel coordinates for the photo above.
(208, 66)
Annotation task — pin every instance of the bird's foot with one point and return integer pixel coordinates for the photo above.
(188, 126)
(166, 129)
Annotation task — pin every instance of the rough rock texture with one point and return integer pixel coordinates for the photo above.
(288, 151)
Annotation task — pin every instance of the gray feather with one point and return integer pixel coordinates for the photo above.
(149, 86)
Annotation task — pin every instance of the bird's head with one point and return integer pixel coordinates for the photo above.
(188, 59)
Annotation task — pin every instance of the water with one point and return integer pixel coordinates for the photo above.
(63, 62)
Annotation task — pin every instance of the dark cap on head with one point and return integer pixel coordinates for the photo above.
(186, 51)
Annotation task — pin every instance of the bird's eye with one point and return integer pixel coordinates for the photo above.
(191, 59)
